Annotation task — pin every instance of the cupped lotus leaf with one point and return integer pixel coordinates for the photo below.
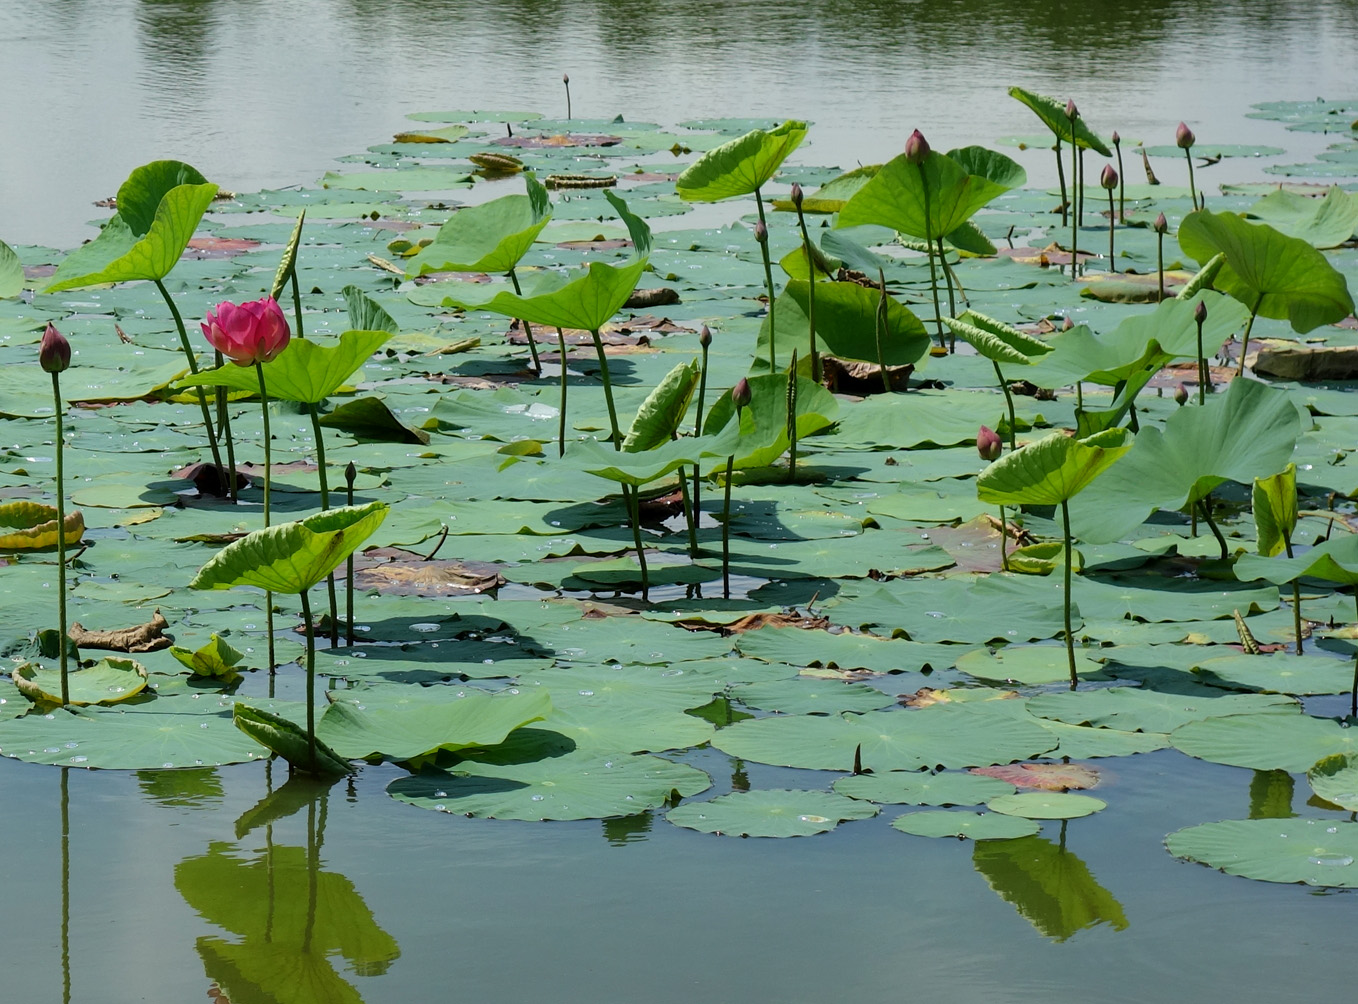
(1026, 665)
(419, 729)
(1334, 560)
(30, 526)
(740, 166)
(140, 196)
(1046, 805)
(583, 784)
(1284, 276)
(491, 237)
(650, 465)
(292, 557)
(108, 681)
(1315, 852)
(900, 787)
(846, 324)
(807, 696)
(996, 340)
(1335, 779)
(1052, 470)
(305, 371)
(129, 739)
(944, 735)
(289, 740)
(771, 813)
(11, 272)
(1326, 222)
(1248, 431)
(964, 825)
(216, 658)
(370, 418)
(1049, 886)
(1274, 503)
(1278, 673)
(763, 424)
(120, 254)
(1138, 709)
(1272, 741)
(366, 314)
(658, 418)
(1054, 117)
(932, 199)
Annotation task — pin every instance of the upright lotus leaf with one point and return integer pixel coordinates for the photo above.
(289, 740)
(763, 425)
(997, 341)
(1274, 275)
(366, 314)
(159, 208)
(491, 237)
(740, 166)
(1247, 432)
(1334, 560)
(1274, 501)
(11, 272)
(1326, 222)
(216, 658)
(846, 325)
(292, 557)
(659, 416)
(1052, 470)
(1054, 117)
(30, 526)
(305, 371)
(1049, 886)
(955, 185)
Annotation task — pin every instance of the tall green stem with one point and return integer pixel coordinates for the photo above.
(929, 252)
(697, 471)
(1061, 177)
(1296, 599)
(726, 529)
(1074, 202)
(608, 389)
(528, 328)
(1205, 504)
(1192, 189)
(952, 299)
(690, 515)
(1353, 703)
(810, 295)
(268, 474)
(1204, 374)
(881, 331)
(792, 418)
(310, 683)
(193, 368)
(65, 885)
(224, 429)
(297, 305)
(768, 282)
(61, 543)
(561, 420)
(350, 473)
(1070, 634)
(633, 500)
(1084, 180)
(1122, 185)
(1004, 533)
(1009, 401)
(1160, 260)
(1245, 338)
(325, 506)
(1112, 267)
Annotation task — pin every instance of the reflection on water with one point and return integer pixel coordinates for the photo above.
(197, 788)
(288, 916)
(1271, 795)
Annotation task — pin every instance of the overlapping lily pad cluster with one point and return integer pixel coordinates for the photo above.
(536, 630)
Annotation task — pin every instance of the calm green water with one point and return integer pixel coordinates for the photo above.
(433, 906)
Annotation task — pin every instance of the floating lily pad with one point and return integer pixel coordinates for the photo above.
(1275, 741)
(920, 788)
(964, 825)
(1318, 852)
(1335, 779)
(803, 696)
(1279, 673)
(106, 682)
(1028, 665)
(1046, 805)
(1138, 709)
(771, 813)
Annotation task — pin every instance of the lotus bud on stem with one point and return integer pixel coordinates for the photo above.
(705, 343)
(740, 397)
(1160, 226)
(1108, 180)
(917, 152)
(350, 474)
(761, 236)
(1204, 373)
(566, 82)
(1122, 182)
(1184, 140)
(989, 446)
(54, 355)
(1181, 395)
(881, 330)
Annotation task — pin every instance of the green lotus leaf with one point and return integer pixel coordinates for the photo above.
(416, 729)
(1052, 470)
(584, 784)
(900, 787)
(289, 740)
(832, 195)
(140, 196)
(932, 199)
(1273, 741)
(964, 825)
(1053, 116)
(216, 658)
(740, 166)
(846, 325)
(642, 468)
(28, 526)
(1274, 502)
(1280, 276)
(366, 314)
(770, 813)
(1335, 779)
(287, 264)
(658, 418)
(305, 371)
(763, 424)
(803, 696)
(1334, 560)
(1138, 709)
(1278, 673)
(1248, 431)
(995, 340)
(292, 557)
(369, 418)
(1316, 852)
(491, 237)
(1026, 665)
(11, 272)
(1046, 805)
(108, 681)
(1326, 222)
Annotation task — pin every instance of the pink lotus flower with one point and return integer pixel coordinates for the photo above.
(247, 333)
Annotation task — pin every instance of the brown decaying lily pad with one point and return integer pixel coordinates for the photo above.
(1044, 257)
(755, 621)
(398, 572)
(974, 545)
(632, 332)
(852, 376)
(139, 638)
(926, 696)
(219, 247)
(560, 139)
(1043, 776)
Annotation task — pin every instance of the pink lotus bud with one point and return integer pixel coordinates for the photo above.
(1161, 224)
(797, 195)
(1067, 324)
(916, 148)
(761, 232)
(740, 395)
(565, 78)
(1200, 312)
(705, 337)
(249, 332)
(1109, 178)
(1183, 137)
(55, 351)
(1071, 111)
(1117, 140)
(988, 445)
(1181, 395)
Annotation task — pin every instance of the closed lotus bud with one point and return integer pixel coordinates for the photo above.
(740, 394)
(1071, 111)
(1200, 312)
(1067, 324)
(1109, 178)
(55, 351)
(1181, 395)
(916, 148)
(761, 232)
(797, 195)
(705, 337)
(565, 78)
(1183, 137)
(1117, 140)
(350, 473)
(988, 445)
(1161, 224)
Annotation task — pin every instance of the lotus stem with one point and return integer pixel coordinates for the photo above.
(561, 420)
(1160, 260)
(1004, 533)
(608, 390)
(566, 82)
(881, 331)
(726, 530)
(1009, 403)
(1353, 704)
(1192, 189)
(1204, 373)
(1112, 261)
(1122, 180)
(952, 300)
(792, 418)
(1205, 504)
(1061, 177)
(768, 281)
(325, 507)
(310, 683)
(193, 368)
(1296, 598)
(1074, 196)
(297, 304)
(528, 328)
(929, 253)
(61, 546)
(65, 885)
(350, 473)
(705, 342)
(1070, 635)
(224, 430)
(1245, 338)
(633, 501)
(810, 291)
(1084, 180)
(268, 476)
(690, 514)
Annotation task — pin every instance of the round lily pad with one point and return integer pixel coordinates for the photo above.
(1046, 805)
(1265, 742)
(1028, 665)
(779, 813)
(1281, 673)
(806, 696)
(1335, 779)
(916, 788)
(1138, 709)
(106, 682)
(964, 825)
(1318, 852)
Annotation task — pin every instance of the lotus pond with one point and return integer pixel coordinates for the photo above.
(636, 605)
